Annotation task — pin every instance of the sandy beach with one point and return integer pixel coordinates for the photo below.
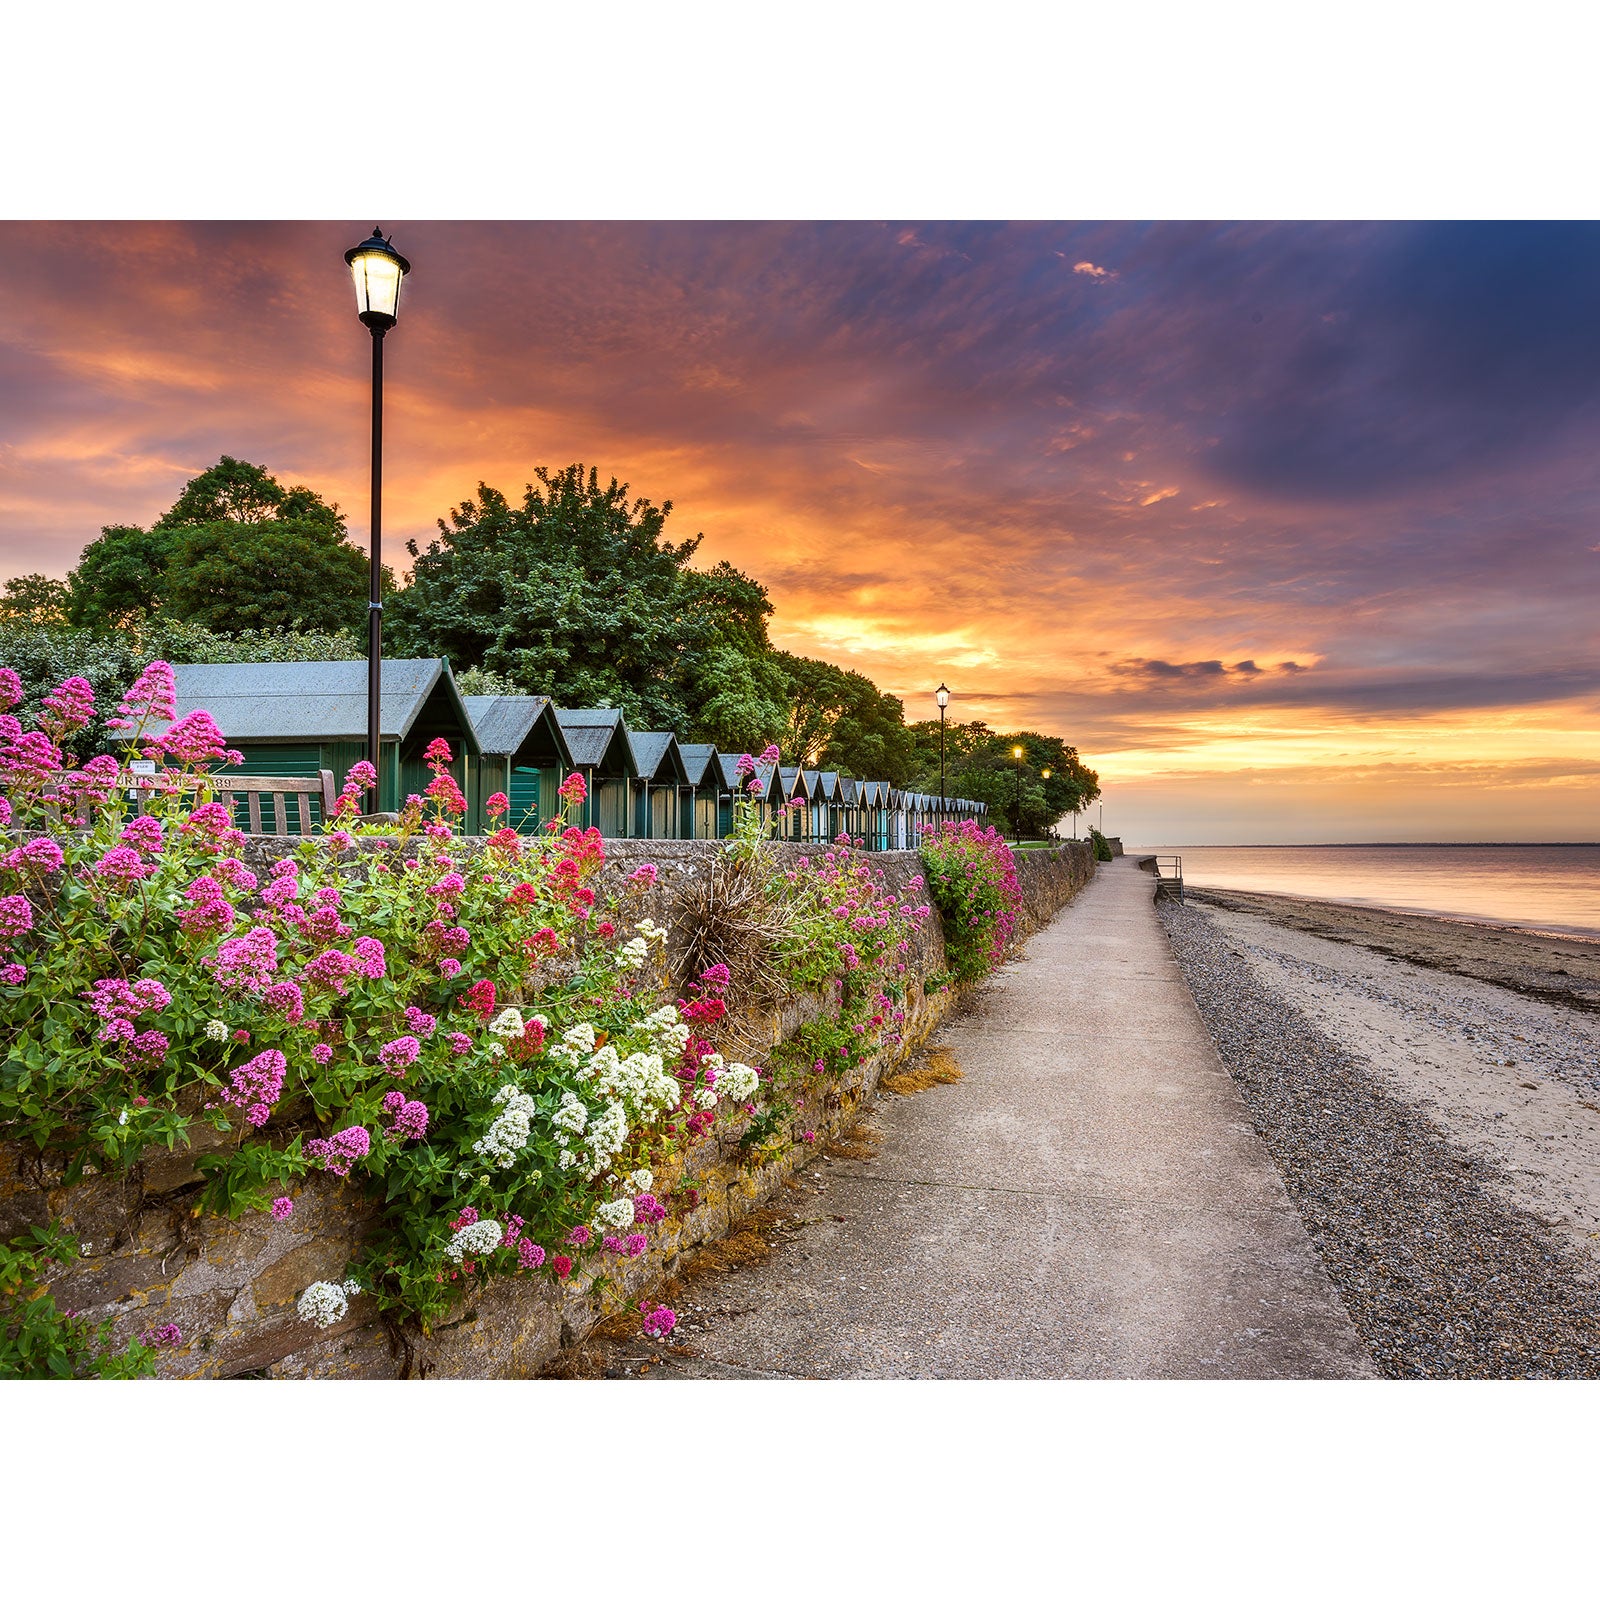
(1431, 1091)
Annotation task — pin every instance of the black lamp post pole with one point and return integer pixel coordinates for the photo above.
(375, 601)
(941, 764)
(1019, 803)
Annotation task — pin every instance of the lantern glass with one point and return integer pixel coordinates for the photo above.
(942, 696)
(377, 270)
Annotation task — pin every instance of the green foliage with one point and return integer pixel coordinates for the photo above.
(1102, 847)
(838, 720)
(979, 766)
(236, 551)
(34, 599)
(37, 1338)
(576, 593)
(972, 879)
(480, 680)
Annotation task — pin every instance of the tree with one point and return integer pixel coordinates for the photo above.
(577, 593)
(979, 766)
(34, 598)
(840, 720)
(237, 550)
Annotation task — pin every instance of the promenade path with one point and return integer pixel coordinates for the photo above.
(1089, 1201)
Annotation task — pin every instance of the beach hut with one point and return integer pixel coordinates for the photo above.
(659, 781)
(525, 757)
(768, 793)
(292, 719)
(707, 786)
(598, 740)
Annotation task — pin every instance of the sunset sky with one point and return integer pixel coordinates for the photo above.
(1291, 528)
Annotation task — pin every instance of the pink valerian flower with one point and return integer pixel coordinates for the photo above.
(455, 941)
(256, 1086)
(645, 876)
(635, 1245)
(287, 999)
(10, 688)
(745, 766)
(771, 755)
(340, 1153)
(116, 997)
(322, 1054)
(410, 1117)
(146, 1049)
(399, 1054)
(96, 778)
(143, 834)
(246, 962)
(167, 1336)
(445, 791)
(464, 1218)
(541, 944)
(196, 741)
(68, 707)
(328, 970)
(371, 958)
(13, 973)
(281, 891)
(37, 856)
(479, 998)
(419, 1022)
(153, 697)
(448, 887)
(282, 1207)
(646, 1208)
(235, 874)
(530, 1256)
(437, 753)
(659, 1321)
(122, 864)
(360, 778)
(497, 804)
(460, 1044)
(574, 789)
(579, 1236)
(29, 755)
(449, 968)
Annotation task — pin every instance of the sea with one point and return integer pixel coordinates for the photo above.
(1553, 888)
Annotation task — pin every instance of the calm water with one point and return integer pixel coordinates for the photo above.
(1553, 887)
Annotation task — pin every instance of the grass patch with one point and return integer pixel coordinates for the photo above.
(939, 1066)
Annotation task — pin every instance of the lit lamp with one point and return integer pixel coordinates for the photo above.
(942, 695)
(1017, 753)
(378, 270)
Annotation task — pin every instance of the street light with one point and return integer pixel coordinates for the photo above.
(942, 695)
(1016, 755)
(378, 270)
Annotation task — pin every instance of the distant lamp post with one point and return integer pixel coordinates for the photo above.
(942, 695)
(1045, 775)
(378, 270)
(1017, 754)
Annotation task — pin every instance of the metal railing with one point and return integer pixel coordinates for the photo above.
(1169, 875)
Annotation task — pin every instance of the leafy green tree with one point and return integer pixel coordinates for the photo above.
(577, 593)
(34, 598)
(840, 720)
(236, 551)
(979, 765)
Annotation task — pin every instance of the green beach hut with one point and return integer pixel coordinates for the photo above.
(525, 757)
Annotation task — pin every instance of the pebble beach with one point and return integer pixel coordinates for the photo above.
(1430, 1091)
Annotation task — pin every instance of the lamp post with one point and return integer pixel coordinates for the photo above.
(942, 695)
(377, 269)
(1016, 755)
(1045, 775)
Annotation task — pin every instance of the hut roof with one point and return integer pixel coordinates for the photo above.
(591, 732)
(503, 722)
(656, 757)
(256, 702)
(701, 763)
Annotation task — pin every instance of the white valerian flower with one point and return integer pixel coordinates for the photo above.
(216, 1030)
(607, 1134)
(495, 1051)
(572, 1114)
(478, 1239)
(651, 931)
(508, 1025)
(614, 1214)
(641, 1180)
(738, 1081)
(632, 955)
(325, 1303)
(705, 1099)
(508, 1133)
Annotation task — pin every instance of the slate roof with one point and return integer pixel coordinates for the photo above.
(699, 763)
(652, 752)
(503, 722)
(259, 701)
(589, 734)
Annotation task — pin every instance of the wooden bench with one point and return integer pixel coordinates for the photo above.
(277, 792)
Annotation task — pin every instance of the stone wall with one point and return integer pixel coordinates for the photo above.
(231, 1287)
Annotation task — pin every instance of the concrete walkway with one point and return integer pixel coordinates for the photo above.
(1088, 1202)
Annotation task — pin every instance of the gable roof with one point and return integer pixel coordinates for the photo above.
(653, 752)
(701, 763)
(590, 733)
(503, 722)
(259, 701)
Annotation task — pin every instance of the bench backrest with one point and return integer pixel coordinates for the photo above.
(277, 792)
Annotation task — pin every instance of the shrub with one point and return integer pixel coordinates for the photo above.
(1102, 848)
(972, 879)
(469, 1031)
